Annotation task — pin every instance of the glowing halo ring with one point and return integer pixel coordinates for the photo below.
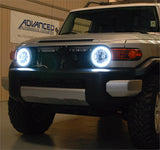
(105, 57)
(23, 57)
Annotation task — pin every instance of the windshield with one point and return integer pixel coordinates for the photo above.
(124, 19)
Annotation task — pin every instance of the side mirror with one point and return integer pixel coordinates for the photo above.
(57, 31)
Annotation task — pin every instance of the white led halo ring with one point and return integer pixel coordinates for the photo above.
(20, 57)
(106, 60)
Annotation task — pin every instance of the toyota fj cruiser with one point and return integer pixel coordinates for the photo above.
(105, 60)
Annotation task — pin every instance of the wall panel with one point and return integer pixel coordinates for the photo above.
(34, 8)
(5, 48)
(0, 51)
(69, 4)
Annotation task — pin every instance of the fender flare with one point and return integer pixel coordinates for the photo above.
(150, 65)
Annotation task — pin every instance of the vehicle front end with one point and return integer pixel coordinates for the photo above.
(93, 67)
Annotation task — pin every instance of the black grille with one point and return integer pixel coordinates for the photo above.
(65, 57)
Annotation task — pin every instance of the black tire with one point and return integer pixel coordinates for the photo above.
(29, 118)
(141, 119)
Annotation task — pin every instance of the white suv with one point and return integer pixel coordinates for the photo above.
(105, 59)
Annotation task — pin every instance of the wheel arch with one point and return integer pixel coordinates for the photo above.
(150, 67)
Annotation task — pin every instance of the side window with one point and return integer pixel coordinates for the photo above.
(81, 25)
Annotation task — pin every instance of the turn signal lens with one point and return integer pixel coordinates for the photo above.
(126, 54)
(13, 55)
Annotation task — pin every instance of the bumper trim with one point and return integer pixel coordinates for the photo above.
(124, 88)
(52, 95)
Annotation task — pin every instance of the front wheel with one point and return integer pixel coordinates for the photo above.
(144, 115)
(29, 118)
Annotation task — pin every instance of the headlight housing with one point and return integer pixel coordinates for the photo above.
(101, 56)
(23, 57)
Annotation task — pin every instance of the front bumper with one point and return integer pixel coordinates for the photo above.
(116, 88)
(85, 87)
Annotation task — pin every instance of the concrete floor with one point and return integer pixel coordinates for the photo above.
(67, 132)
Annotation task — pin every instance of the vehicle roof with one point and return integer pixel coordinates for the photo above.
(117, 5)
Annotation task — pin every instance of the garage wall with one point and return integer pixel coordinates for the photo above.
(5, 47)
(0, 51)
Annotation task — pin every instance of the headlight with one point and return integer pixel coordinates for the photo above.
(23, 57)
(101, 56)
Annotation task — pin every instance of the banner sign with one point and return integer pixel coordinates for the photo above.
(24, 27)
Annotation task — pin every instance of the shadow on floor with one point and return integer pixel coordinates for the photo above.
(113, 134)
(80, 133)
